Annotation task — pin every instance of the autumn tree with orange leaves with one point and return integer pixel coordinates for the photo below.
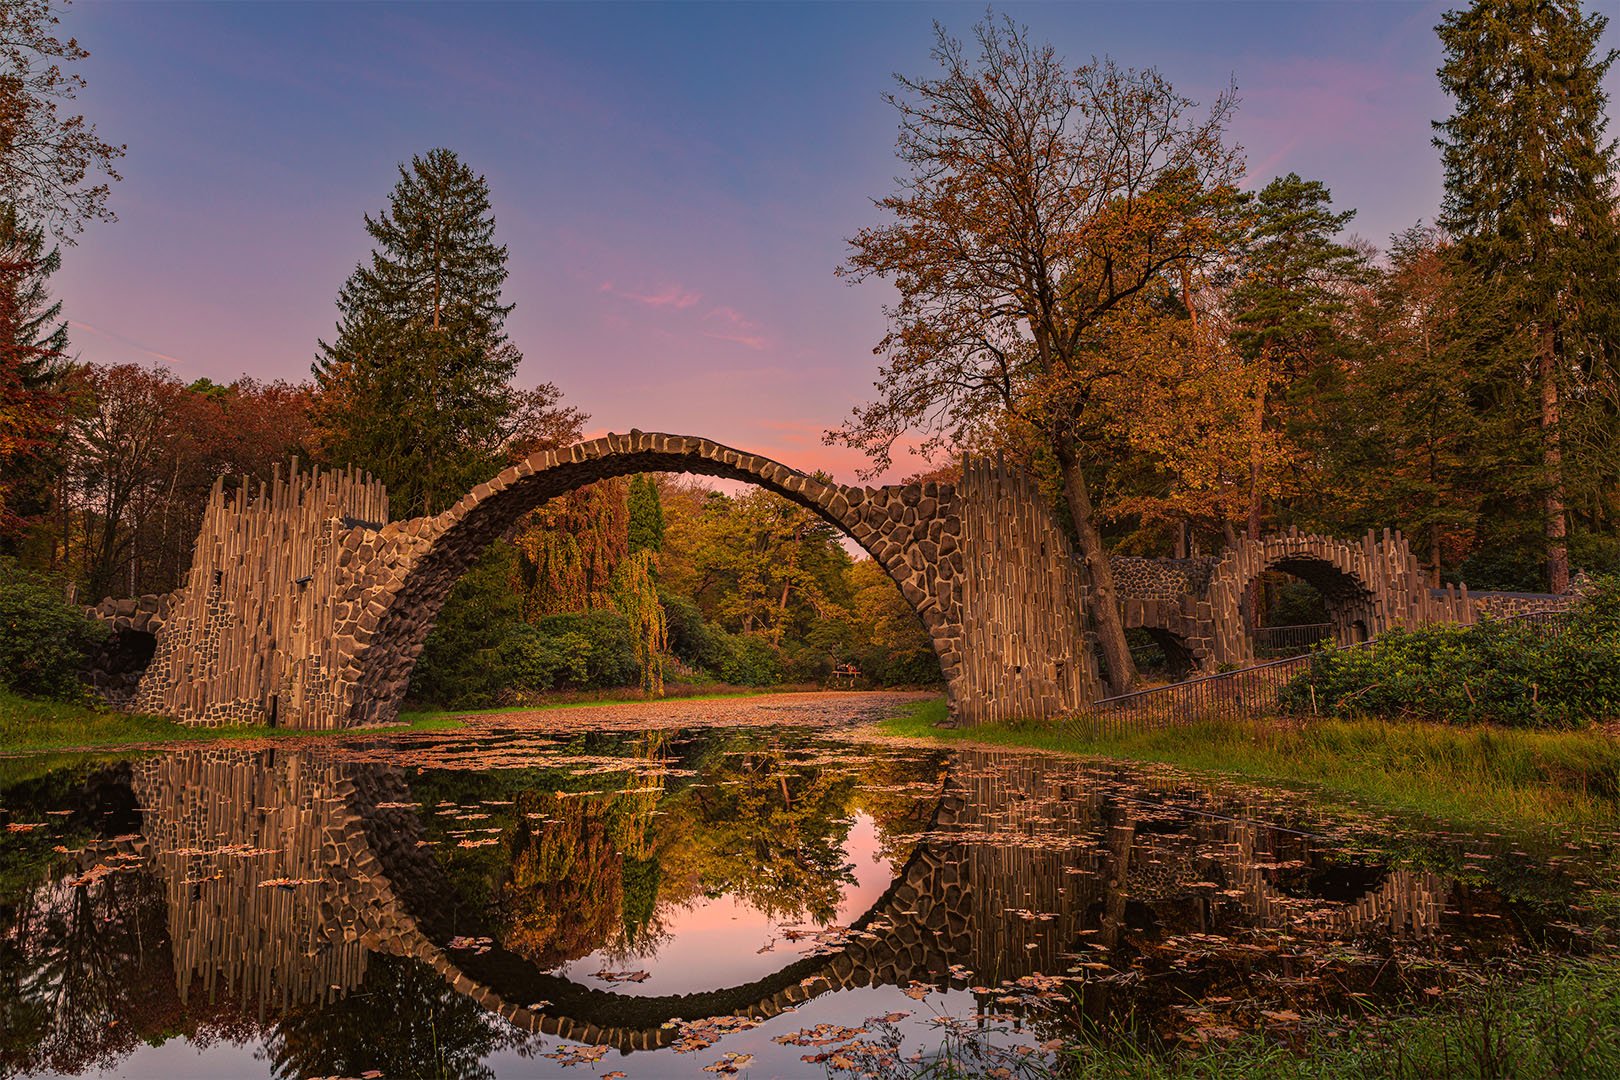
(1043, 205)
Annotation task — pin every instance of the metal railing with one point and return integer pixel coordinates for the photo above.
(1278, 642)
(1245, 692)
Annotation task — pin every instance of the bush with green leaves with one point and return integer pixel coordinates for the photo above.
(591, 650)
(1514, 672)
(45, 642)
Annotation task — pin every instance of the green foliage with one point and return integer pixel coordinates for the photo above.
(589, 650)
(1287, 302)
(646, 515)
(635, 595)
(415, 386)
(44, 642)
(1531, 198)
(1510, 672)
(463, 662)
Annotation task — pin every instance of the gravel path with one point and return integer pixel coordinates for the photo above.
(823, 709)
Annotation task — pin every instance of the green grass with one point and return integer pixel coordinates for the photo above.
(1469, 775)
(30, 726)
(1564, 1023)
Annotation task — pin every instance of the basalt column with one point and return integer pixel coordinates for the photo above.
(1024, 655)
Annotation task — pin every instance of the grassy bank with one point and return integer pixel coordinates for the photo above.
(1473, 774)
(30, 726)
(1565, 1023)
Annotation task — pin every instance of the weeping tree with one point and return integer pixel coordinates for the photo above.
(1042, 204)
(636, 596)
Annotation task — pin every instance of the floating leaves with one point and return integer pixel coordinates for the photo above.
(578, 1054)
(730, 1063)
(622, 976)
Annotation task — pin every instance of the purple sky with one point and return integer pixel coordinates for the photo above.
(675, 182)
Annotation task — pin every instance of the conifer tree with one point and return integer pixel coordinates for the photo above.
(646, 515)
(415, 386)
(1530, 197)
(1287, 304)
(33, 370)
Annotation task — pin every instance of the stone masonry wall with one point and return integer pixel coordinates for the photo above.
(305, 607)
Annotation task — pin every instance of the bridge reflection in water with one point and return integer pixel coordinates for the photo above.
(286, 873)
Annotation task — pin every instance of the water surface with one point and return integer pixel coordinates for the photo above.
(769, 901)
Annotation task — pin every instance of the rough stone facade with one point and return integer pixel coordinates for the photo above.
(306, 607)
(115, 670)
(258, 633)
(1195, 605)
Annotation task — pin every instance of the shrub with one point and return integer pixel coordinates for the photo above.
(591, 650)
(463, 663)
(45, 643)
(1498, 671)
(742, 659)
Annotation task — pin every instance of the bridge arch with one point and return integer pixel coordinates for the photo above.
(1350, 578)
(307, 607)
(905, 529)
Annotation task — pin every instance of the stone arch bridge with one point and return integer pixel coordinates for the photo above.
(305, 606)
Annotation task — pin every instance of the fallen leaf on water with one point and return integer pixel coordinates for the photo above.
(730, 1062)
(622, 976)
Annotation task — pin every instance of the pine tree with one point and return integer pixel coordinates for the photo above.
(1530, 196)
(34, 395)
(646, 515)
(1287, 307)
(415, 387)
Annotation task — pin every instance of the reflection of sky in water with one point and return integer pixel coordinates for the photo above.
(179, 1060)
(771, 1059)
(715, 942)
(1151, 890)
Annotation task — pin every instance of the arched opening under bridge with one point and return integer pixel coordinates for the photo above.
(307, 603)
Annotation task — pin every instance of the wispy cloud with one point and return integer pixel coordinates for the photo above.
(729, 324)
(668, 296)
(126, 343)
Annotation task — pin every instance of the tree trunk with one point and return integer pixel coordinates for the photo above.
(1434, 554)
(1105, 612)
(1553, 459)
(1256, 611)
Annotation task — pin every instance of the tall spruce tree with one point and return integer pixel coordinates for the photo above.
(1287, 306)
(34, 394)
(1530, 197)
(415, 387)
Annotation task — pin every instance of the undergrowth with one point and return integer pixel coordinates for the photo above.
(1467, 774)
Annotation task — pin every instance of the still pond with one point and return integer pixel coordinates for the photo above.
(771, 901)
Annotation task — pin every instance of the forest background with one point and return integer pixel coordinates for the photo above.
(1230, 360)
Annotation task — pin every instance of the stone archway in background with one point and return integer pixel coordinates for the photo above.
(1366, 587)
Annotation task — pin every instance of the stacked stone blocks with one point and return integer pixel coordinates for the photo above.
(306, 607)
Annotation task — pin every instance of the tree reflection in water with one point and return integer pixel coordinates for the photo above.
(351, 915)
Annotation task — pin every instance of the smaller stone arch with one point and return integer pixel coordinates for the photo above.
(1370, 585)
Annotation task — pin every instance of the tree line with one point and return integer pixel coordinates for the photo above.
(1089, 282)
(1087, 285)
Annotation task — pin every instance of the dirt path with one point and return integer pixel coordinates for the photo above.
(825, 709)
(821, 709)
